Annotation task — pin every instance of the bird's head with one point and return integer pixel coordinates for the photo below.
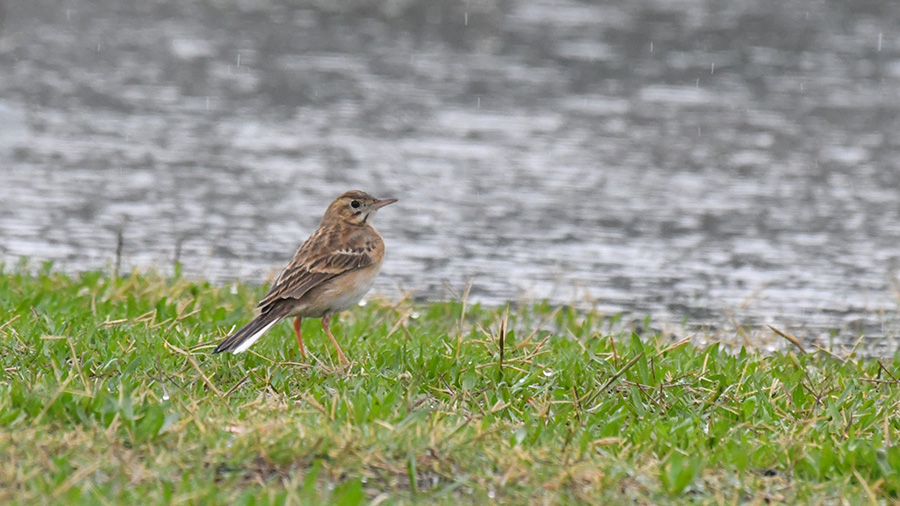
(355, 207)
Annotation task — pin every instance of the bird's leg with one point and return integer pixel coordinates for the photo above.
(297, 321)
(326, 322)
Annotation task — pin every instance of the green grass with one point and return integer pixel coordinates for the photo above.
(108, 394)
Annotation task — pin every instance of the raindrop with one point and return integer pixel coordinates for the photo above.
(233, 289)
(467, 19)
(712, 68)
(491, 493)
(239, 60)
(362, 303)
(165, 395)
(414, 315)
(548, 372)
(651, 47)
(207, 103)
(879, 41)
(364, 480)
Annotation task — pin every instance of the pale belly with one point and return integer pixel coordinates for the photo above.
(338, 294)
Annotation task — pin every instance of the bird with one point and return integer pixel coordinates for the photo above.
(330, 272)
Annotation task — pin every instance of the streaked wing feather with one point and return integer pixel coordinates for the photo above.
(298, 279)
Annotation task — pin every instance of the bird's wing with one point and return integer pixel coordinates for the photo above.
(306, 271)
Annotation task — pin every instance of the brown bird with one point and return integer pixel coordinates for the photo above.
(330, 272)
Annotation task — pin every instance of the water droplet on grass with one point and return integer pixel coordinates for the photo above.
(548, 372)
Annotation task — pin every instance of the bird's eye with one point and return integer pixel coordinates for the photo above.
(354, 204)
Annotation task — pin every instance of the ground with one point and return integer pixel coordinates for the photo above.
(109, 395)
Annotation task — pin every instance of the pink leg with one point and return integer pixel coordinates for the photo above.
(326, 322)
(299, 337)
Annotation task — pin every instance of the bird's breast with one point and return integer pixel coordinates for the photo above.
(340, 293)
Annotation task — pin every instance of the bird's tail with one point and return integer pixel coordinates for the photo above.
(251, 332)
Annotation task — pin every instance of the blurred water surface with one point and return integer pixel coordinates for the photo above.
(710, 163)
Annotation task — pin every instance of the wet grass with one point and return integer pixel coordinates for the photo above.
(108, 394)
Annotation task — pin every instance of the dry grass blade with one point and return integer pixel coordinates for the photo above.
(622, 371)
(883, 368)
(853, 350)
(49, 403)
(77, 477)
(871, 499)
(76, 362)
(502, 336)
(791, 338)
(462, 318)
(404, 318)
(10, 322)
(545, 321)
(203, 376)
(673, 346)
(614, 377)
(615, 354)
(237, 385)
(110, 323)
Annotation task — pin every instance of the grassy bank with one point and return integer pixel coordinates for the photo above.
(108, 394)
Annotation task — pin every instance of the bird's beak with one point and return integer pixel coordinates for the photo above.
(378, 204)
